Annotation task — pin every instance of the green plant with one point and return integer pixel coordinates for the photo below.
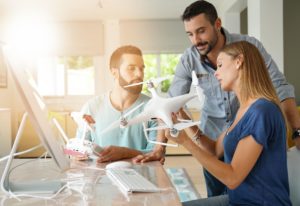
(167, 67)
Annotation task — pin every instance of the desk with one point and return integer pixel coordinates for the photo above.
(89, 186)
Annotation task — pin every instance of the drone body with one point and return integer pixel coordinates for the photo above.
(161, 108)
(158, 108)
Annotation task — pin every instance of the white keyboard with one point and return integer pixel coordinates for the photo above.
(130, 180)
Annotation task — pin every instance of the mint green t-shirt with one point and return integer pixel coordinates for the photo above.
(102, 111)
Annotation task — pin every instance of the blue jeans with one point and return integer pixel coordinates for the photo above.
(213, 186)
(221, 200)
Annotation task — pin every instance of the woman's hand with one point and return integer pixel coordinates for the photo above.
(179, 139)
(181, 136)
(81, 157)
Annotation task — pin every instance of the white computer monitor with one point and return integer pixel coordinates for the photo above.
(35, 107)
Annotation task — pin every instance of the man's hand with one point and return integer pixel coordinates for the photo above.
(81, 157)
(156, 155)
(111, 153)
(89, 119)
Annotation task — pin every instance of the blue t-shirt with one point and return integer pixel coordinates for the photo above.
(267, 182)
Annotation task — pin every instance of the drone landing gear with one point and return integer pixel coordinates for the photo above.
(156, 142)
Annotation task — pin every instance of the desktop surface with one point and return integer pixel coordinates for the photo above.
(88, 184)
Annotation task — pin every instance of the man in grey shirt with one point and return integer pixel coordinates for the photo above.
(205, 32)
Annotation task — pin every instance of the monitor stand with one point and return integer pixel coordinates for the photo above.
(30, 187)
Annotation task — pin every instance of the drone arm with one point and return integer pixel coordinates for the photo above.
(83, 122)
(198, 89)
(142, 117)
(83, 133)
(159, 141)
(201, 96)
(175, 103)
(153, 92)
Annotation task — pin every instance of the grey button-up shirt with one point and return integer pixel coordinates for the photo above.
(220, 106)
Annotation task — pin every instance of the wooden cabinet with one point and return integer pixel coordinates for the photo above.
(5, 131)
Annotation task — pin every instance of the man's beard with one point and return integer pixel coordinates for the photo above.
(210, 45)
(134, 89)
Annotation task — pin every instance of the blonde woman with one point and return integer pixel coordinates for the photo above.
(254, 145)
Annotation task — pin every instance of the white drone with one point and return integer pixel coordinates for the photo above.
(161, 108)
(79, 146)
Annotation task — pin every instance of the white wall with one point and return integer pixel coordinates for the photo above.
(79, 38)
(165, 35)
(265, 22)
(229, 11)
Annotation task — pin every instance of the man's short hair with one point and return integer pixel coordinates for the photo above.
(115, 59)
(200, 7)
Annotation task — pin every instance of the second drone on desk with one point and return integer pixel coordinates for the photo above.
(80, 146)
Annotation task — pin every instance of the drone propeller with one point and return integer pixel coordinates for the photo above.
(112, 126)
(195, 81)
(134, 84)
(153, 80)
(184, 120)
(198, 89)
(178, 126)
(120, 120)
(183, 125)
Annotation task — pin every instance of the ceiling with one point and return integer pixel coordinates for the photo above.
(93, 10)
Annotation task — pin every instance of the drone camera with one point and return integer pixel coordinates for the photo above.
(174, 132)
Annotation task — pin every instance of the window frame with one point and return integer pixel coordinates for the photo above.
(66, 94)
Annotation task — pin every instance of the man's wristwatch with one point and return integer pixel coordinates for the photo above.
(296, 134)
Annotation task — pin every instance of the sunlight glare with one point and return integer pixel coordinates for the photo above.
(31, 36)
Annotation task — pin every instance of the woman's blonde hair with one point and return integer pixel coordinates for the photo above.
(255, 78)
(256, 81)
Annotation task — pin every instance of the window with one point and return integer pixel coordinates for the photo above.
(160, 65)
(66, 76)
